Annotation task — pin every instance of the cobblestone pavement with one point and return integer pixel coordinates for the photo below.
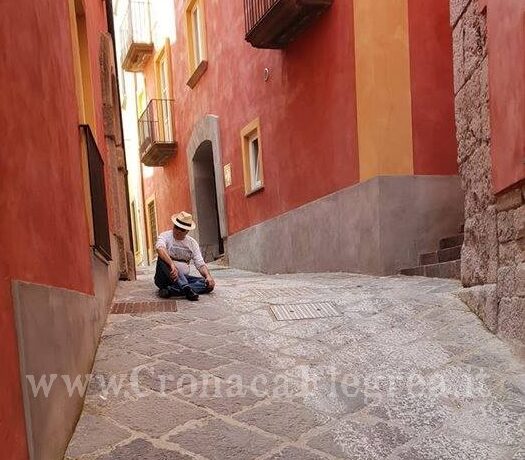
(406, 372)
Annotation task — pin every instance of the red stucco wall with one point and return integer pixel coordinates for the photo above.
(432, 87)
(308, 125)
(506, 42)
(43, 228)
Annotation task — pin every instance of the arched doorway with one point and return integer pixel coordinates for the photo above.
(207, 187)
(210, 238)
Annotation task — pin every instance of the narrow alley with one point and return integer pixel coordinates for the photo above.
(262, 229)
(405, 371)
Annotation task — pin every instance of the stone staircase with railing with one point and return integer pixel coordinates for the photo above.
(443, 263)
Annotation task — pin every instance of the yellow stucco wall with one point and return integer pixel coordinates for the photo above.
(384, 115)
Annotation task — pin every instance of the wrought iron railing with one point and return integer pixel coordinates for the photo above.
(255, 10)
(97, 185)
(136, 25)
(156, 124)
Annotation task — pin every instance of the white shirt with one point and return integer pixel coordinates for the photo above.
(181, 251)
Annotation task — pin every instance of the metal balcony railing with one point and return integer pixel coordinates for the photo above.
(156, 138)
(276, 23)
(97, 187)
(255, 10)
(135, 35)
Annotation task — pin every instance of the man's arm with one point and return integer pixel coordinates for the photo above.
(201, 265)
(163, 254)
(203, 270)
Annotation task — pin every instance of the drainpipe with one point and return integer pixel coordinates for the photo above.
(111, 30)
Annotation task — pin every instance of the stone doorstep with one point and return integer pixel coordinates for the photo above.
(143, 307)
(442, 255)
(451, 269)
(428, 258)
(448, 270)
(451, 241)
(449, 254)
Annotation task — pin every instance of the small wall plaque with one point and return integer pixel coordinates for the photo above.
(227, 175)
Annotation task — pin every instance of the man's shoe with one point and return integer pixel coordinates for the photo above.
(190, 293)
(164, 293)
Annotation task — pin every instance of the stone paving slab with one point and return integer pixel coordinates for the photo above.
(223, 441)
(116, 360)
(361, 440)
(142, 343)
(245, 353)
(196, 360)
(332, 397)
(200, 342)
(141, 448)
(260, 381)
(163, 376)
(256, 338)
(295, 453)
(220, 397)
(94, 433)
(158, 318)
(214, 328)
(155, 415)
(407, 373)
(453, 447)
(283, 419)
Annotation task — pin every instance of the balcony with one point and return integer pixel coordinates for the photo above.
(274, 24)
(136, 44)
(97, 188)
(156, 140)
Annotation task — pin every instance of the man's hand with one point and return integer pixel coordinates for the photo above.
(210, 282)
(174, 273)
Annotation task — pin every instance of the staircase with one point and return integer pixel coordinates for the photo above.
(443, 263)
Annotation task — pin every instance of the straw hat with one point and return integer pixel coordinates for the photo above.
(183, 220)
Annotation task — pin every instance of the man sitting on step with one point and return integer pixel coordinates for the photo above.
(175, 250)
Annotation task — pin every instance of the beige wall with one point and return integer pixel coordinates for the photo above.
(58, 332)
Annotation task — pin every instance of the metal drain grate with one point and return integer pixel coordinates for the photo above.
(266, 293)
(121, 308)
(304, 311)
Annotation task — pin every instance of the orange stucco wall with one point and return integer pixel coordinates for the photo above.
(506, 42)
(405, 98)
(384, 116)
(432, 87)
(306, 109)
(43, 228)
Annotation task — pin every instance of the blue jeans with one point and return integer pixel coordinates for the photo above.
(163, 280)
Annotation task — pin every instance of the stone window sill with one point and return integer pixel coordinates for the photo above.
(197, 74)
(254, 191)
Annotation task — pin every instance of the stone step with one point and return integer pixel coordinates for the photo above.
(428, 258)
(450, 269)
(451, 241)
(443, 255)
(446, 255)
(415, 271)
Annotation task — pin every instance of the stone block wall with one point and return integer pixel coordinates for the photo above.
(115, 161)
(492, 268)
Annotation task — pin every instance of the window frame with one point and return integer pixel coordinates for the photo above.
(163, 73)
(135, 230)
(193, 30)
(249, 133)
(152, 255)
